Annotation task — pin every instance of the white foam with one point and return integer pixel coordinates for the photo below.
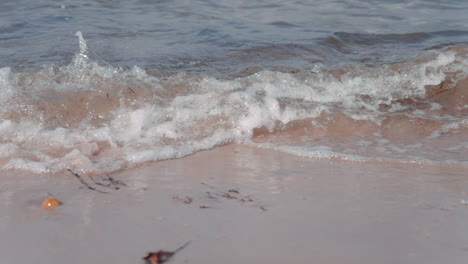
(183, 114)
(450, 127)
(318, 152)
(435, 106)
(27, 165)
(7, 150)
(6, 88)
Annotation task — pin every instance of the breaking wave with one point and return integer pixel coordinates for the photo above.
(96, 118)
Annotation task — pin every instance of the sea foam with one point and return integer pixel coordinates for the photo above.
(95, 118)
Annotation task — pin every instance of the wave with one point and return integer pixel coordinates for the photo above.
(96, 118)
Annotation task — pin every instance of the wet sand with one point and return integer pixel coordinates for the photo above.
(239, 204)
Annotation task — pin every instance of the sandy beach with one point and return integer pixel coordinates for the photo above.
(239, 204)
(263, 132)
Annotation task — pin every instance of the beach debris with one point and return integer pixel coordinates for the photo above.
(211, 196)
(108, 182)
(84, 182)
(104, 181)
(441, 89)
(182, 199)
(216, 194)
(50, 204)
(232, 194)
(162, 256)
(228, 196)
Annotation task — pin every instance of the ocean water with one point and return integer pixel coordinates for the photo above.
(99, 86)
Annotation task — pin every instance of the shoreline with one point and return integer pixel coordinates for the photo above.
(241, 204)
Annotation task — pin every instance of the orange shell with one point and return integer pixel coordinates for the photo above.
(50, 203)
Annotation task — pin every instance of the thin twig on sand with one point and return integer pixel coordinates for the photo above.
(112, 183)
(84, 182)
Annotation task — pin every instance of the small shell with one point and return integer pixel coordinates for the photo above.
(50, 204)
